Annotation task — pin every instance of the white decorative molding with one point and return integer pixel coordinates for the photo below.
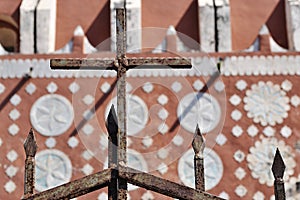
(162, 99)
(13, 129)
(10, 186)
(53, 168)
(292, 12)
(241, 85)
(199, 108)
(258, 196)
(45, 26)
(252, 130)
(202, 66)
(12, 155)
(30, 88)
(240, 173)
(221, 139)
(148, 87)
(239, 156)
(206, 25)
(241, 190)
(137, 113)
(73, 142)
(50, 142)
(11, 171)
(14, 114)
(52, 87)
(163, 46)
(177, 140)
(27, 25)
(260, 159)
(51, 115)
(213, 168)
(223, 25)
(2, 88)
(133, 24)
(266, 103)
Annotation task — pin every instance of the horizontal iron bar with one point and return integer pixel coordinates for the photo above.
(85, 64)
(75, 188)
(159, 63)
(162, 186)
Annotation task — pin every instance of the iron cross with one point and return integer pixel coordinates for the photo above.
(121, 64)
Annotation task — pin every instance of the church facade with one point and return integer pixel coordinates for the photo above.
(241, 91)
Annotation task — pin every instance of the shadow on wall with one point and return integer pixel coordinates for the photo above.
(190, 27)
(277, 25)
(99, 30)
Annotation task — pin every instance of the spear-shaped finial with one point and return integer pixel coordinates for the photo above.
(30, 145)
(198, 143)
(278, 168)
(198, 146)
(112, 122)
(112, 128)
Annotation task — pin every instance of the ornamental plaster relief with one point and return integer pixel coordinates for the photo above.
(260, 159)
(231, 66)
(51, 115)
(266, 103)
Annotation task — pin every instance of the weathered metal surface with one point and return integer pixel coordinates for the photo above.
(121, 97)
(198, 146)
(278, 168)
(75, 188)
(163, 186)
(30, 147)
(159, 63)
(91, 64)
(112, 128)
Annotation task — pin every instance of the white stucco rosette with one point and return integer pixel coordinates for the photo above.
(213, 168)
(266, 103)
(261, 156)
(51, 115)
(199, 108)
(53, 168)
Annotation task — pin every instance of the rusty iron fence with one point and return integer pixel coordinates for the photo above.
(118, 173)
(109, 177)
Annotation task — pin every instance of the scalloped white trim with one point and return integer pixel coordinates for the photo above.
(203, 66)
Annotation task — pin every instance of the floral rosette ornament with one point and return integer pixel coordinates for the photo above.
(266, 103)
(261, 156)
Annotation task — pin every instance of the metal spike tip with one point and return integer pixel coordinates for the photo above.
(30, 144)
(112, 121)
(198, 142)
(278, 165)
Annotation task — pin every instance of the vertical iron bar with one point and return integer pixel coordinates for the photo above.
(198, 146)
(112, 128)
(30, 148)
(121, 97)
(278, 168)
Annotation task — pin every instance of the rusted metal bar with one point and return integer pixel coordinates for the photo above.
(90, 64)
(75, 188)
(121, 97)
(159, 63)
(278, 168)
(112, 128)
(30, 147)
(162, 186)
(198, 146)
